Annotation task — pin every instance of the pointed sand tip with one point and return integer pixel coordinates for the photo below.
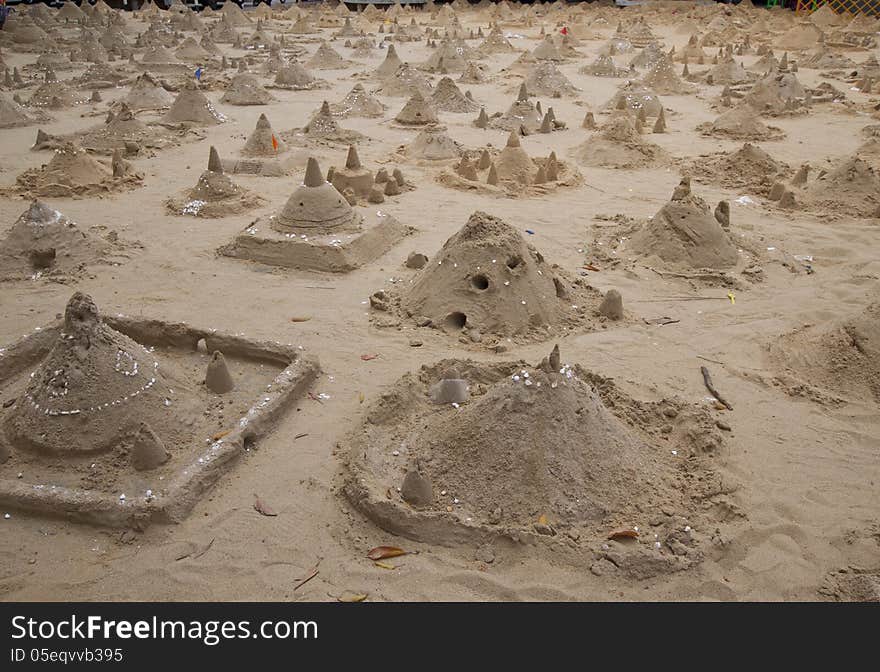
(313, 178)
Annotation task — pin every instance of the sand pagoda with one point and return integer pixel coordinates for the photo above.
(95, 390)
(45, 242)
(545, 79)
(447, 97)
(662, 79)
(245, 89)
(487, 279)
(295, 77)
(390, 65)
(750, 168)
(192, 107)
(619, 145)
(214, 195)
(318, 229)
(124, 132)
(741, 123)
(522, 114)
(327, 58)
(417, 112)
(432, 144)
(685, 234)
(851, 188)
(358, 103)
(323, 127)
(263, 141)
(13, 115)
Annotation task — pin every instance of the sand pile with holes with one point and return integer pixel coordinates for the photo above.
(73, 172)
(147, 94)
(852, 188)
(432, 144)
(43, 241)
(842, 355)
(245, 89)
(95, 387)
(487, 278)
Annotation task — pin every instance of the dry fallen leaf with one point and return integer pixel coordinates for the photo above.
(367, 358)
(624, 534)
(542, 519)
(384, 565)
(262, 508)
(383, 552)
(361, 397)
(305, 318)
(220, 435)
(351, 597)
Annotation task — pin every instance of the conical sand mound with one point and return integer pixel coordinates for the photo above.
(513, 164)
(73, 172)
(123, 130)
(749, 167)
(775, 94)
(43, 241)
(619, 145)
(545, 79)
(741, 123)
(577, 457)
(192, 107)
(727, 72)
(843, 355)
(146, 94)
(390, 65)
(91, 390)
(521, 114)
(405, 81)
(487, 277)
(432, 144)
(295, 77)
(327, 58)
(449, 98)
(853, 188)
(13, 115)
(417, 112)
(603, 66)
(263, 142)
(246, 89)
(684, 233)
(634, 97)
(663, 79)
(323, 127)
(358, 103)
(315, 207)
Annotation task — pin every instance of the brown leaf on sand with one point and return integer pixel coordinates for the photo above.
(220, 435)
(382, 552)
(624, 534)
(262, 508)
(300, 318)
(367, 358)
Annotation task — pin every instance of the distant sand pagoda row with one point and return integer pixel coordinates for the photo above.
(488, 284)
(108, 423)
(522, 116)
(618, 144)
(319, 229)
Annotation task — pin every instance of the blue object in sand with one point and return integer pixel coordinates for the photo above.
(199, 73)
(530, 232)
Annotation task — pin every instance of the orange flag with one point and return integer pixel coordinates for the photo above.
(274, 143)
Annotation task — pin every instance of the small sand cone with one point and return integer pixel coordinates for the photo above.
(331, 172)
(451, 389)
(352, 160)
(589, 122)
(376, 195)
(800, 177)
(467, 170)
(552, 168)
(783, 62)
(381, 176)
(642, 115)
(513, 139)
(117, 163)
(538, 108)
(417, 490)
(96, 97)
(313, 176)
(683, 190)
(392, 188)
(217, 378)
(787, 199)
(685, 72)
(546, 124)
(722, 214)
(397, 174)
(492, 177)
(660, 124)
(215, 165)
(482, 120)
(612, 305)
(541, 177)
(776, 191)
(484, 160)
(554, 360)
(523, 93)
(147, 450)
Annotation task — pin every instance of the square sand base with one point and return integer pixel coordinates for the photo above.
(333, 253)
(198, 472)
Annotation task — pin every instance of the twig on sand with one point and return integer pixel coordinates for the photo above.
(707, 379)
(311, 576)
(708, 275)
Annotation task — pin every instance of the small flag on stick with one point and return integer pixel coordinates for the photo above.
(274, 143)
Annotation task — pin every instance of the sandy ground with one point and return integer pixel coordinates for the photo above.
(804, 495)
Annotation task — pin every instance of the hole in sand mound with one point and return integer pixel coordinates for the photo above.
(514, 262)
(41, 259)
(455, 321)
(480, 282)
